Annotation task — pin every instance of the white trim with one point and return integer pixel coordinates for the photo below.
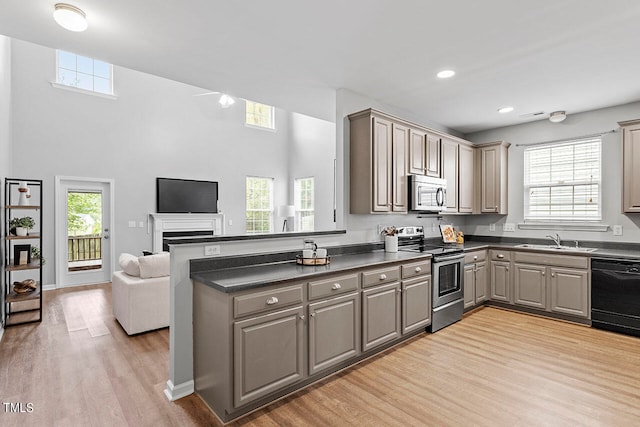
(58, 208)
(51, 287)
(559, 226)
(84, 91)
(174, 392)
(183, 222)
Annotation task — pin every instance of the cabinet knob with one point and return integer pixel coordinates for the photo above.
(312, 315)
(553, 274)
(302, 316)
(475, 257)
(272, 301)
(543, 273)
(507, 268)
(336, 286)
(418, 269)
(383, 277)
(500, 256)
(398, 291)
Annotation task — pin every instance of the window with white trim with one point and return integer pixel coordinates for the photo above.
(562, 181)
(260, 115)
(259, 207)
(304, 203)
(84, 73)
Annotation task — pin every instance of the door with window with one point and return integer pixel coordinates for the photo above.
(83, 231)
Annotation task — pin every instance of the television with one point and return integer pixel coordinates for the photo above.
(186, 196)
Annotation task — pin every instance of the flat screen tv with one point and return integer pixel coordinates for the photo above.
(186, 196)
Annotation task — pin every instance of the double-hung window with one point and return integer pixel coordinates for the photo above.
(84, 73)
(562, 181)
(304, 203)
(259, 207)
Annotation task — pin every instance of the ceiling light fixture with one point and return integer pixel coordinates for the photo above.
(226, 101)
(445, 74)
(70, 17)
(557, 116)
(503, 110)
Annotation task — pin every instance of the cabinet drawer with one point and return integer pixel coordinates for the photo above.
(419, 268)
(552, 259)
(380, 276)
(475, 256)
(333, 286)
(500, 255)
(259, 302)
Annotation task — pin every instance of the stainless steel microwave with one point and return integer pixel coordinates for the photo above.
(427, 194)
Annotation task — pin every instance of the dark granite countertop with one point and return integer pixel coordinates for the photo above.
(247, 277)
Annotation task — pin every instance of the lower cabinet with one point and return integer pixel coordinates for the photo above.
(334, 331)
(570, 291)
(268, 354)
(530, 285)
(475, 278)
(416, 304)
(380, 315)
(500, 281)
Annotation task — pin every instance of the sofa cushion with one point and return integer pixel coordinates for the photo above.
(129, 264)
(154, 265)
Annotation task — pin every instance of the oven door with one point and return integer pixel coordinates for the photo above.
(448, 279)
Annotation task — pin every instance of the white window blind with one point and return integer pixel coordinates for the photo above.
(562, 181)
(303, 201)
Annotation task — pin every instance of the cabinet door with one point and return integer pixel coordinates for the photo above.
(417, 152)
(631, 168)
(380, 315)
(500, 281)
(400, 191)
(450, 173)
(530, 284)
(268, 354)
(466, 182)
(570, 291)
(481, 282)
(416, 304)
(489, 180)
(382, 165)
(433, 156)
(469, 286)
(334, 331)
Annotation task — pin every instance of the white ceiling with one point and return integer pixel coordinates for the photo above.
(573, 55)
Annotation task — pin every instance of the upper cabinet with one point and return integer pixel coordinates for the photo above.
(493, 170)
(449, 169)
(379, 159)
(424, 156)
(630, 166)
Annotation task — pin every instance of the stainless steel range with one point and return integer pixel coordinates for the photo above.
(447, 266)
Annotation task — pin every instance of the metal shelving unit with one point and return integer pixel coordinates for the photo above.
(20, 308)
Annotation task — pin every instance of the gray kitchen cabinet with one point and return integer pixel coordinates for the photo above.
(268, 354)
(500, 275)
(399, 180)
(466, 193)
(530, 285)
(334, 331)
(630, 166)
(381, 315)
(493, 171)
(416, 303)
(570, 291)
(433, 155)
(449, 171)
(424, 156)
(475, 278)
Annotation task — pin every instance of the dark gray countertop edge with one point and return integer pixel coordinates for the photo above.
(212, 239)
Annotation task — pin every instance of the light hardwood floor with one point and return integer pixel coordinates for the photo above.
(495, 368)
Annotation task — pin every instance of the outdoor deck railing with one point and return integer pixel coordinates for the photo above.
(84, 248)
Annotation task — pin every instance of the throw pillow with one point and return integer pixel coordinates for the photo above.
(129, 264)
(154, 265)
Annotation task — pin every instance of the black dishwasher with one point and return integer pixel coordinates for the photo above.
(615, 295)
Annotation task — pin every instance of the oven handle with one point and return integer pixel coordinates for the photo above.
(448, 258)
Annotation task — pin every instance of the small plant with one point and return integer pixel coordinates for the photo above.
(25, 222)
(36, 254)
(390, 231)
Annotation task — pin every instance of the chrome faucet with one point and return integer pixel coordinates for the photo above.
(556, 239)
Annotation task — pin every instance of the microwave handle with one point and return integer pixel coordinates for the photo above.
(440, 194)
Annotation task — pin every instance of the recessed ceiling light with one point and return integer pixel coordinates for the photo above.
(503, 110)
(445, 74)
(70, 17)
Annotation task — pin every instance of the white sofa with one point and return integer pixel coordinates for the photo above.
(140, 292)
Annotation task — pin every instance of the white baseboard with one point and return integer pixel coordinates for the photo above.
(49, 287)
(181, 390)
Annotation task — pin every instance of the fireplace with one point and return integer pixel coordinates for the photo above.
(175, 225)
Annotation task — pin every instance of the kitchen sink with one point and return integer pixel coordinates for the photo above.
(556, 248)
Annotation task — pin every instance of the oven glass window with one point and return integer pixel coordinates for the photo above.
(448, 276)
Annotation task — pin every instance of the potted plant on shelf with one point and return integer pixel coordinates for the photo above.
(390, 239)
(35, 254)
(21, 226)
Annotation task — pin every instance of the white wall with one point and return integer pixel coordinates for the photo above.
(5, 134)
(155, 127)
(575, 125)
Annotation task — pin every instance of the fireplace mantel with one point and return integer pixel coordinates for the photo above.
(163, 223)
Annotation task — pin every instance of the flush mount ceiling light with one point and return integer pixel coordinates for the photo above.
(557, 116)
(503, 110)
(445, 74)
(226, 101)
(70, 17)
